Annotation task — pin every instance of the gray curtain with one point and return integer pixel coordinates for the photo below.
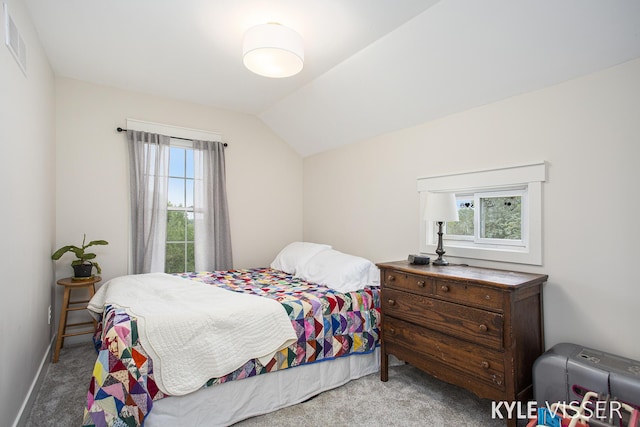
(149, 170)
(212, 231)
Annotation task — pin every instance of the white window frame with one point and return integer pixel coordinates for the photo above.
(528, 177)
(477, 239)
(524, 227)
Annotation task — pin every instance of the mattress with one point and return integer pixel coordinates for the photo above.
(235, 401)
(329, 325)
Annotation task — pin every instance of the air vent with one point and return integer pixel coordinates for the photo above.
(14, 41)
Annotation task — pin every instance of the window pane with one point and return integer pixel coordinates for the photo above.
(189, 165)
(464, 226)
(191, 263)
(180, 223)
(189, 184)
(176, 161)
(190, 227)
(176, 223)
(501, 217)
(174, 258)
(176, 192)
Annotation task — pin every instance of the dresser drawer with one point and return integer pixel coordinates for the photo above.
(479, 362)
(471, 324)
(469, 293)
(407, 282)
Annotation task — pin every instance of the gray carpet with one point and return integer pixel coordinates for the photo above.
(63, 393)
(409, 398)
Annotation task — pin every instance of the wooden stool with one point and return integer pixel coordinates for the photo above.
(69, 285)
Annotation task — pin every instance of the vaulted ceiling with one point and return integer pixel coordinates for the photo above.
(371, 66)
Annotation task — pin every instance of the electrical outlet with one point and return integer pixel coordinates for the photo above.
(49, 316)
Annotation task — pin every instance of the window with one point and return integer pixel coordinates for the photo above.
(500, 218)
(179, 214)
(500, 214)
(179, 253)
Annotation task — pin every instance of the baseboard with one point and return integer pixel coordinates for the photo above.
(25, 410)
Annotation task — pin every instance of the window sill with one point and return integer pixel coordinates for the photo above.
(512, 255)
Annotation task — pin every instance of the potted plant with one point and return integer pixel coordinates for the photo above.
(83, 264)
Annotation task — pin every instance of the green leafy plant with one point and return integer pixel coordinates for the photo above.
(82, 257)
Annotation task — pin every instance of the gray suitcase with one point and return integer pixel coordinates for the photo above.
(565, 372)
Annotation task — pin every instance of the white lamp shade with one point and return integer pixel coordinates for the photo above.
(273, 50)
(441, 207)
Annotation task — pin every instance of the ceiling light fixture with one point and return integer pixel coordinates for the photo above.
(273, 50)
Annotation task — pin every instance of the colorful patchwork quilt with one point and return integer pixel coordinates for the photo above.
(328, 324)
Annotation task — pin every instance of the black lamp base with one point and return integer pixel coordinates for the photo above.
(440, 261)
(440, 251)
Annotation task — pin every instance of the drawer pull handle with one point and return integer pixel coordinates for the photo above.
(421, 283)
(392, 302)
(484, 364)
(391, 278)
(483, 327)
(392, 331)
(444, 288)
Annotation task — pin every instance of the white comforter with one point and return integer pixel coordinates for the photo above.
(194, 331)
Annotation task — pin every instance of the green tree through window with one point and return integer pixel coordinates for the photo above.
(464, 225)
(502, 218)
(499, 217)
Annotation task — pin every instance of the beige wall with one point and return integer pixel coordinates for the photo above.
(264, 175)
(27, 215)
(363, 199)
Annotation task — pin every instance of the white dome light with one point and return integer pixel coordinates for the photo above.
(273, 50)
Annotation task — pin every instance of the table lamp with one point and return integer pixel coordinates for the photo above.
(441, 208)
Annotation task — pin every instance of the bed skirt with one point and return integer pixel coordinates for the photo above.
(233, 401)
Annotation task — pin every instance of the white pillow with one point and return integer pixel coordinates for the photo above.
(339, 271)
(295, 254)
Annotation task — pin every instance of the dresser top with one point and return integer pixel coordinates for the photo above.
(503, 278)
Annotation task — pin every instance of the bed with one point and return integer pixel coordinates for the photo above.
(332, 304)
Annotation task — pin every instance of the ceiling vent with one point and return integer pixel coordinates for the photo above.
(14, 41)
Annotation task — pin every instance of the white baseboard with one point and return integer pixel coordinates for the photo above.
(25, 409)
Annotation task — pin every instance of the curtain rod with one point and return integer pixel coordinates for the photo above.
(119, 129)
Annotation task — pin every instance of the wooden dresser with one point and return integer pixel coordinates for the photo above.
(478, 328)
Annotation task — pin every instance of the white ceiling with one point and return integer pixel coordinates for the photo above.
(371, 66)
